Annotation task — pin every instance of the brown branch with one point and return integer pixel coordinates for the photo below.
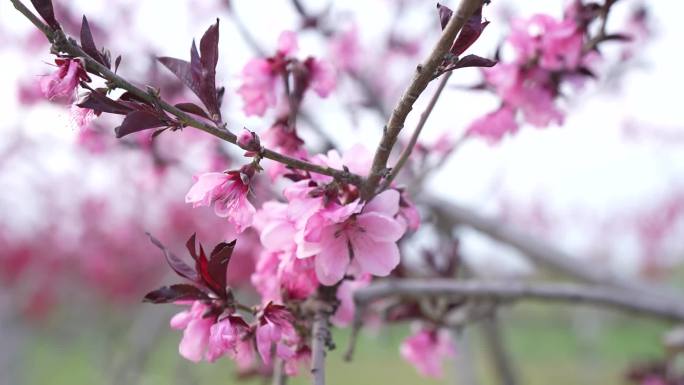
(509, 291)
(424, 74)
(322, 307)
(406, 153)
(279, 376)
(499, 355)
(573, 294)
(61, 43)
(540, 252)
(320, 332)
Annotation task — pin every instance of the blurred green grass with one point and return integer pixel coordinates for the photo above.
(549, 345)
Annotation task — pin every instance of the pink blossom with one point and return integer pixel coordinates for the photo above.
(258, 89)
(81, 116)
(323, 77)
(426, 349)
(274, 329)
(302, 358)
(336, 232)
(345, 292)
(529, 90)
(346, 50)
(409, 213)
(224, 337)
(197, 329)
(558, 44)
(494, 125)
(280, 275)
(287, 43)
(63, 82)
(228, 193)
(284, 139)
(249, 141)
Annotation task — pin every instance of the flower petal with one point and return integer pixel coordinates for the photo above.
(376, 258)
(387, 202)
(332, 261)
(380, 227)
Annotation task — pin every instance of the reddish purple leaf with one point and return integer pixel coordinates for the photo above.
(218, 262)
(173, 293)
(137, 121)
(180, 267)
(117, 62)
(99, 103)
(192, 108)
(617, 37)
(470, 33)
(238, 322)
(473, 61)
(46, 11)
(209, 59)
(88, 44)
(202, 266)
(200, 73)
(444, 14)
(181, 69)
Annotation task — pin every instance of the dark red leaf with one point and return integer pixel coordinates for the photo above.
(173, 293)
(209, 47)
(129, 97)
(45, 10)
(190, 245)
(444, 14)
(181, 69)
(199, 75)
(137, 121)
(192, 108)
(99, 102)
(88, 44)
(474, 61)
(584, 71)
(238, 322)
(469, 33)
(117, 62)
(208, 270)
(180, 267)
(616, 37)
(209, 59)
(218, 262)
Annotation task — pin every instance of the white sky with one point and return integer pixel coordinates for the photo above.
(584, 164)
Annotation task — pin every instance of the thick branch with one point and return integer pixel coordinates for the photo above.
(618, 299)
(320, 333)
(63, 44)
(406, 153)
(573, 294)
(424, 74)
(499, 356)
(540, 252)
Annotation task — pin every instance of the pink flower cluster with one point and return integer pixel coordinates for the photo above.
(426, 349)
(227, 192)
(209, 336)
(544, 50)
(262, 77)
(61, 84)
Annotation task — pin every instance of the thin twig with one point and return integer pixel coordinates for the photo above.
(63, 44)
(424, 74)
(406, 153)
